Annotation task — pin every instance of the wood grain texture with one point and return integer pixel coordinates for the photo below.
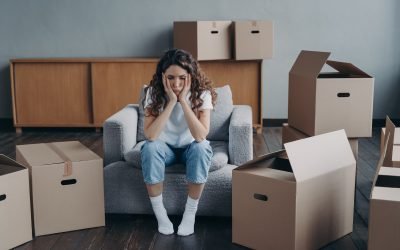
(244, 78)
(117, 84)
(52, 93)
(84, 92)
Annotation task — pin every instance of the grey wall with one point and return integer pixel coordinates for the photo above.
(364, 32)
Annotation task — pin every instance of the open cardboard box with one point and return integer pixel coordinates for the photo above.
(298, 198)
(66, 184)
(325, 102)
(15, 207)
(384, 212)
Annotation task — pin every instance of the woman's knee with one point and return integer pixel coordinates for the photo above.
(152, 147)
(202, 148)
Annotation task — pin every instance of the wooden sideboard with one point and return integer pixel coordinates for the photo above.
(84, 92)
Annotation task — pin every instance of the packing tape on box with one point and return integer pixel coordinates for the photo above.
(67, 161)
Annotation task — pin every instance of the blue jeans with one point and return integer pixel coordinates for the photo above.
(156, 155)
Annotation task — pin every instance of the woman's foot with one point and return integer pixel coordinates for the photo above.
(187, 225)
(165, 226)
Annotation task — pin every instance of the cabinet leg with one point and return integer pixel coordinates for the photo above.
(18, 130)
(257, 128)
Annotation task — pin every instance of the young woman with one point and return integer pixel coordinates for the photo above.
(177, 119)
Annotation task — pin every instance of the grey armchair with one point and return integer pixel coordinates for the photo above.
(125, 192)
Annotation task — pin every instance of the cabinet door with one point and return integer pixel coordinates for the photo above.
(116, 84)
(244, 78)
(52, 94)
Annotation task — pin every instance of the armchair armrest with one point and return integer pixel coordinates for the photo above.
(241, 135)
(119, 133)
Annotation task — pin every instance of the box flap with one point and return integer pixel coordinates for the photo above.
(4, 159)
(8, 165)
(309, 63)
(261, 158)
(74, 151)
(39, 154)
(387, 186)
(318, 155)
(396, 140)
(347, 68)
(389, 132)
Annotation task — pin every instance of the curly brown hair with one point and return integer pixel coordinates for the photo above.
(200, 82)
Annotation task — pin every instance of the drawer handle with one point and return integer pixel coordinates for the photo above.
(3, 197)
(68, 182)
(343, 94)
(255, 31)
(214, 32)
(260, 197)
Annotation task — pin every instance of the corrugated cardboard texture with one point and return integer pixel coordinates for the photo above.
(322, 102)
(384, 216)
(64, 203)
(301, 203)
(253, 39)
(205, 40)
(290, 134)
(15, 210)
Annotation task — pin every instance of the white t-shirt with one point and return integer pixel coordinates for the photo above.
(176, 132)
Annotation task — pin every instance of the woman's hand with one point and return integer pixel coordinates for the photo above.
(186, 88)
(168, 90)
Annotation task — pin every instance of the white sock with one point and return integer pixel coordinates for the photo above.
(187, 225)
(164, 224)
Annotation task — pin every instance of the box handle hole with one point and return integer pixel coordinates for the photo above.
(68, 182)
(388, 181)
(343, 94)
(3, 197)
(214, 32)
(255, 31)
(260, 197)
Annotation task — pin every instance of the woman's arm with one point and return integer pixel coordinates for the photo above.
(154, 125)
(198, 126)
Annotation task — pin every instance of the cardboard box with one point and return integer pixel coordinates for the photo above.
(325, 102)
(290, 134)
(15, 207)
(253, 39)
(67, 186)
(396, 144)
(205, 40)
(384, 216)
(302, 201)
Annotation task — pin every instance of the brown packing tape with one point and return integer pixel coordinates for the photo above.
(67, 168)
(67, 161)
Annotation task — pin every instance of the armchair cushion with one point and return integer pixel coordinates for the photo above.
(220, 116)
(219, 159)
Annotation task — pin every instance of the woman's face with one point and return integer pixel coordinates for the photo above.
(176, 77)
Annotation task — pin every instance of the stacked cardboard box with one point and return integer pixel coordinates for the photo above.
(298, 198)
(384, 216)
(15, 207)
(253, 39)
(221, 40)
(66, 186)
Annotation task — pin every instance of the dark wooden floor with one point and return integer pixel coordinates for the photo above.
(140, 231)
